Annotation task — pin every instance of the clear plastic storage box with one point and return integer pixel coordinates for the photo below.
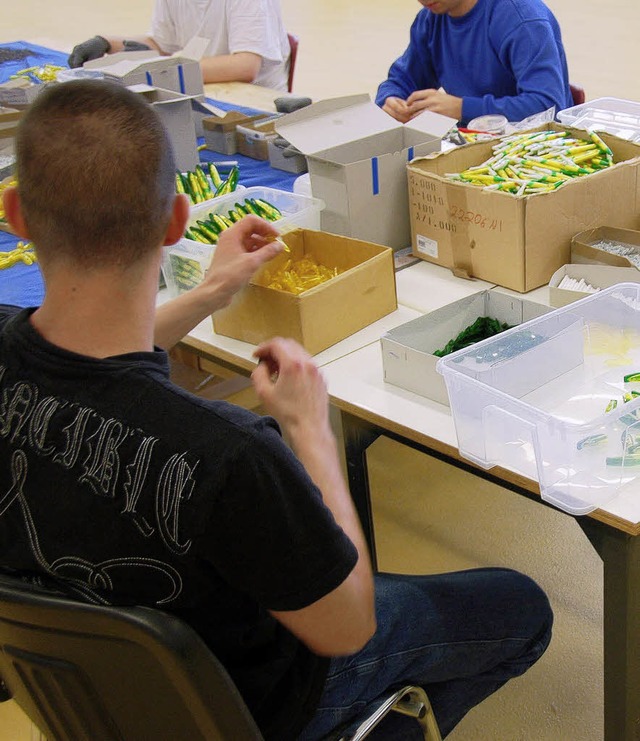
(613, 115)
(184, 265)
(297, 210)
(556, 399)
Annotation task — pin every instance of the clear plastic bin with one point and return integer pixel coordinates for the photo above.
(184, 265)
(546, 399)
(298, 210)
(613, 115)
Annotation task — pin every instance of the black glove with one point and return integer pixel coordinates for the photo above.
(129, 45)
(92, 49)
(288, 150)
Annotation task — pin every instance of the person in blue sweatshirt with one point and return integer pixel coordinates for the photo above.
(467, 58)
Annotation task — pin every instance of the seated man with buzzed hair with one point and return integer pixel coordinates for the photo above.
(118, 487)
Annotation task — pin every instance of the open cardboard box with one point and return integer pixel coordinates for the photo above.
(584, 252)
(176, 114)
(20, 92)
(515, 241)
(407, 351)
(598, 276)
(254, 136)
(9, 119)
(220, 132)
(357, 155)
(362, 293)
(179, 72)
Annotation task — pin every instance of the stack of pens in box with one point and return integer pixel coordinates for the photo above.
(572, 284)
(537, 162)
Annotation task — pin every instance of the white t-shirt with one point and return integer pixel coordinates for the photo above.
(231, 26)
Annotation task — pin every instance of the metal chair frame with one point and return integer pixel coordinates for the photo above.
(82, 672)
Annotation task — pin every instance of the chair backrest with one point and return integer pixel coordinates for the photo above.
(578, 94)
(83, 671)
(293, 45)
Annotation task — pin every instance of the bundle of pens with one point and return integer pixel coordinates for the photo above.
(538, 162)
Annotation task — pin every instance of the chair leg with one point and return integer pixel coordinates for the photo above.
(411, 701)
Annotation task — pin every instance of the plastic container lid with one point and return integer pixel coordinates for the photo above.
(68, 75)
(491, 124)
(613, 115)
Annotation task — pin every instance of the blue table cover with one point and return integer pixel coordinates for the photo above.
(22, 285)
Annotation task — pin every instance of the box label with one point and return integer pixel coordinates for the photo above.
(427, 246)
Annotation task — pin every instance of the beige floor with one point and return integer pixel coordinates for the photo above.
(429, 517)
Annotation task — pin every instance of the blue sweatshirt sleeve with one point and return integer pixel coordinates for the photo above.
(413, 70)
(531, 53)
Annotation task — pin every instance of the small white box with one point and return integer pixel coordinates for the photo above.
(407, 351)
(547, 399)
(598, 276)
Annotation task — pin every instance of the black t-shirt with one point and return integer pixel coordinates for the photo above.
(132, 491)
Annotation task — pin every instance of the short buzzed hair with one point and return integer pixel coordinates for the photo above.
(96, 174)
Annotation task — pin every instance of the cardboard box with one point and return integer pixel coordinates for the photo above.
(220, 131)
(9, 119)
(7, 165)
(407, 351)
(176, 115)
(363, 293)
(179, 72)
(202, 109)
(296, 164)
(598, 276)
(515, 241)
(583, 250)
(357, 156)
(20, 92)
(254, 137)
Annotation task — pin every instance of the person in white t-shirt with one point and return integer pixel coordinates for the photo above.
(247, 39)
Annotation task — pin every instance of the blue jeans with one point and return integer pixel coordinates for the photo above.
(461, 636)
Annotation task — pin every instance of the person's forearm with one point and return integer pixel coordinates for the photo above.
(176, 318)
(116, 43)
(240, 67)
(317, 451)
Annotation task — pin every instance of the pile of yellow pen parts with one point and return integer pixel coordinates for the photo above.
(39, 73)
(300, 275)
(24, 252)
(8, 183)
(537, 162)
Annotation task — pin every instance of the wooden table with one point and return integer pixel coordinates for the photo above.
(369, 408)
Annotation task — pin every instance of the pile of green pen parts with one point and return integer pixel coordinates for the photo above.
(482, 328)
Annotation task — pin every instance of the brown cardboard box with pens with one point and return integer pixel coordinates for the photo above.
(515, 241)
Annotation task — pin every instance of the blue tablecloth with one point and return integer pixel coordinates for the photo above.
(22, 285)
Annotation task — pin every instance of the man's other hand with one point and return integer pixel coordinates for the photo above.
(94, 48)
(434, 100)
(397, 108)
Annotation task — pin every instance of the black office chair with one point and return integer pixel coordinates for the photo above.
(577, 94)
(83, 672)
